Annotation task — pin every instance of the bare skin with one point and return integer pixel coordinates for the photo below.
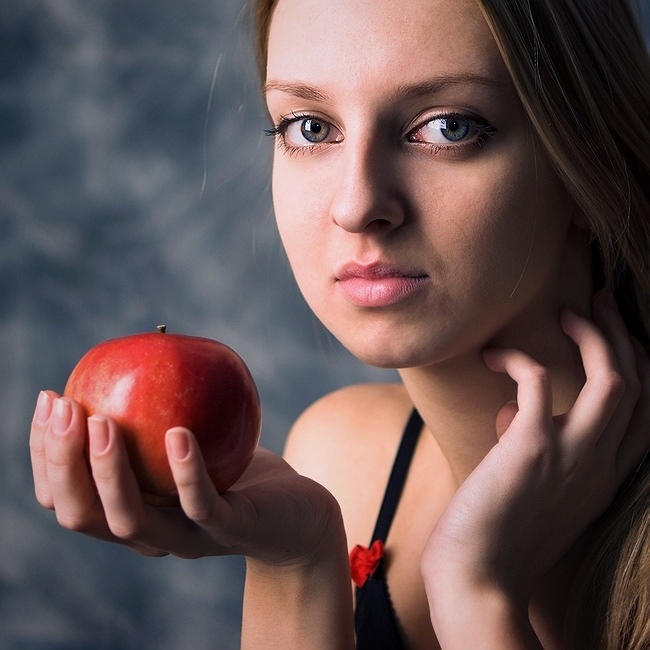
(345, 441)
(373, 416)
(428, 231)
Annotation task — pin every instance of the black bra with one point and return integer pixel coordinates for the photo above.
(376, 624)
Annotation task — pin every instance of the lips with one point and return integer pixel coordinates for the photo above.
(378, 284)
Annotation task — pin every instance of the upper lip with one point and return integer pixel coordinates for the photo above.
(375, 270)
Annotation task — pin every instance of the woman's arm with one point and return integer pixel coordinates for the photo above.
(305, 604)
(538, 489)
(466, 615)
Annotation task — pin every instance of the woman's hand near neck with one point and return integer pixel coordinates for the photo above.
(501, 534)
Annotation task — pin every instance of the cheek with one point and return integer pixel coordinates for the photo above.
(475, 221)
(288, 207)
(299, 214)
(497, 225)
(298, 198)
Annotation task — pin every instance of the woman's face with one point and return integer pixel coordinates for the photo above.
(420, 219)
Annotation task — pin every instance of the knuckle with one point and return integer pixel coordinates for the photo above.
(36, 446)
(126, 529)
(613, 383)
(538, 454)
(74, 521)
(196, 499)
(55, 466)
(538, 376)
(104, 474)
(201, 513)
(44, 498)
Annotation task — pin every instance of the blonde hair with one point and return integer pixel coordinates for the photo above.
(581, 71)
(609, 606)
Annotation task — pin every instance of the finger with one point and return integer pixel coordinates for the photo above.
(117, 487)
(610, 321)
(534, 394)
(604, 386)
(148, 529)
(107, 452)
(40, 423)
(198, 496)
(62, 467)
(636, 442)
(68, 475)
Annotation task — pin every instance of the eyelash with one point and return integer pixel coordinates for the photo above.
(279, 131)
(483, 131)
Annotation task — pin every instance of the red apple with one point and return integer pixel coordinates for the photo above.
(154, 381)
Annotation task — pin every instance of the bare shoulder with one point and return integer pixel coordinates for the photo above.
(352, 421)
(347, 441)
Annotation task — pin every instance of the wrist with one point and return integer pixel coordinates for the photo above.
(307, 567)
(467, 612)
(305, 600)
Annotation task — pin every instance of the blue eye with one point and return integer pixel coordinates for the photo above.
(302, 132)
(453, 129)
(314, 130)
(447, 130)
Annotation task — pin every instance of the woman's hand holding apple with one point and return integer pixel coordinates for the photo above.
(103, 473)
(289, 527)
(123, 475)
(271, 513)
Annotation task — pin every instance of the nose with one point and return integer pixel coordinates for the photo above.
(367, 196)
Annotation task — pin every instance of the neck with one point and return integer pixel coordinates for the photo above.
(459, 398)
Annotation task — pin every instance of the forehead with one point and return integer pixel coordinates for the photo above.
(353, 42)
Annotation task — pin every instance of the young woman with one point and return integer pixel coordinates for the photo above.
(461, 189)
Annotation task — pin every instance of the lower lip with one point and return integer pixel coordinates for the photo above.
(380, 292)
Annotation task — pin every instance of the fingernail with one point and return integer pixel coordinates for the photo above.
(43, 408)
(98, 434)
(62, 416)
(178, 445)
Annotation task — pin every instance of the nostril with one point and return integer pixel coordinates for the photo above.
(380, 225)
(378, 215)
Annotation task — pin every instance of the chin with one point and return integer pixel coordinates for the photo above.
(393, 354)
(401, 348)
(394, 341)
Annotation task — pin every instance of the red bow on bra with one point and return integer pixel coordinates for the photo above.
(364, 561)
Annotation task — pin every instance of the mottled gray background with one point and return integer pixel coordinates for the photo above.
(129, 196)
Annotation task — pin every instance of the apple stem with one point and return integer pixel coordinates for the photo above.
(162, 328)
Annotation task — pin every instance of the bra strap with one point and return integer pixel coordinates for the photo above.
(398, 476)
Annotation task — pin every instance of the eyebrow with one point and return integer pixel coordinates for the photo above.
(302, 90)
(406, 91)
(429, 87)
